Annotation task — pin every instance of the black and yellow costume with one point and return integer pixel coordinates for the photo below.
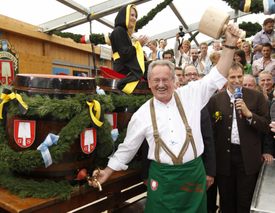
(129, 58)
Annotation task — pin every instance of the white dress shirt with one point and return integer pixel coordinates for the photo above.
(207, 60)
(171, 128)
(178, 55)
(196, 64)
(235, 138)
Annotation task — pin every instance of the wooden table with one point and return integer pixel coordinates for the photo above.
(85, 195)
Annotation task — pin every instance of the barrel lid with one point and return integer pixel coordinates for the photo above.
(111, 84)
(57, 82)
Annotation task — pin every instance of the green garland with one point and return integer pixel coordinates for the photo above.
(95, 38)
(250, 28)
(99, 38)
(193, 36)
(31, 159)
(129, 101)
(152, 13)
(255, 7)
(30, 188)
(77, 112)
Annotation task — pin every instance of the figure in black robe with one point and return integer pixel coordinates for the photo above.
(129, 58)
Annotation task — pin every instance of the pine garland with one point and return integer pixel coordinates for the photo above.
(31, 159)
(74, 108)
(250, 28)
(193, 36)
(152, 13)
(96, 38)
(255, 7)
(129, 101)
(30, 188)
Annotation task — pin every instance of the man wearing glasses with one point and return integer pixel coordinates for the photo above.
(170, 122)
(190, 73)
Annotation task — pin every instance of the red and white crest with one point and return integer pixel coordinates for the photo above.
(88, 140)
(24, 133)
(154, 185)
(7, 72)
(112, 118)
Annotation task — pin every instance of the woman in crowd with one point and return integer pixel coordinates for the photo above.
(246, 47)
(240, 57)
(154, 54)
(182, 52)
(214, 58)
(128, 57)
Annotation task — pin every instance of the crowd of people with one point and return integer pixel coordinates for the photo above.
(197, 135)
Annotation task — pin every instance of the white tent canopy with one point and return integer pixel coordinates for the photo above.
(71, 16)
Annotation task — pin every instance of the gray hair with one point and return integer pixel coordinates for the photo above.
(161, 63)
(189, 65)
(265, 72)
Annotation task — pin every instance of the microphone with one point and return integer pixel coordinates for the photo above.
(238, 94)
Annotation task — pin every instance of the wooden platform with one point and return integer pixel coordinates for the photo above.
(111, 190)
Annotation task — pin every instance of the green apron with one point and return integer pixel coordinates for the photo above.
(177, 188)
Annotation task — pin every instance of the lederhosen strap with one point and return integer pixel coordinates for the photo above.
(159, 142)
(180, 62)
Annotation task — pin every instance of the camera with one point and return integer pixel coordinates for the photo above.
(181, 34)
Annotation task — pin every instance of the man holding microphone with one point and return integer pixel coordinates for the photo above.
(238, 115)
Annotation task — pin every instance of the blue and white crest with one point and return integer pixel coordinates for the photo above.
(4, 45)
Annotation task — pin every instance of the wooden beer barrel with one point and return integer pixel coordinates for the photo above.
(123, 114)
(58, 87)
(110, 86)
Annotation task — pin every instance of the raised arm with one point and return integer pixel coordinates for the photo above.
(228, 51)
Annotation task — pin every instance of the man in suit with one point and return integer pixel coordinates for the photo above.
(237, 142)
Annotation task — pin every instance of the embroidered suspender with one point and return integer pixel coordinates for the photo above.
(159, 142)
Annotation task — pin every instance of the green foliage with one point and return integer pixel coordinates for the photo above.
(120, 138)
(171, 50)
(105, 141)
(145, 19)
(62, 109)
(129, 101)
(76, 111)
(193, 36)
(30, 188)
(99, 38)
(255, 7)
(250, 28)
(75, 37)
(211, 42)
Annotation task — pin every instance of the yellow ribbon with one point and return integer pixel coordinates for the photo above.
(116, 56)
(129, 88)
(247, 6)
(7, 95)
(97, 108)
(218, 118)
